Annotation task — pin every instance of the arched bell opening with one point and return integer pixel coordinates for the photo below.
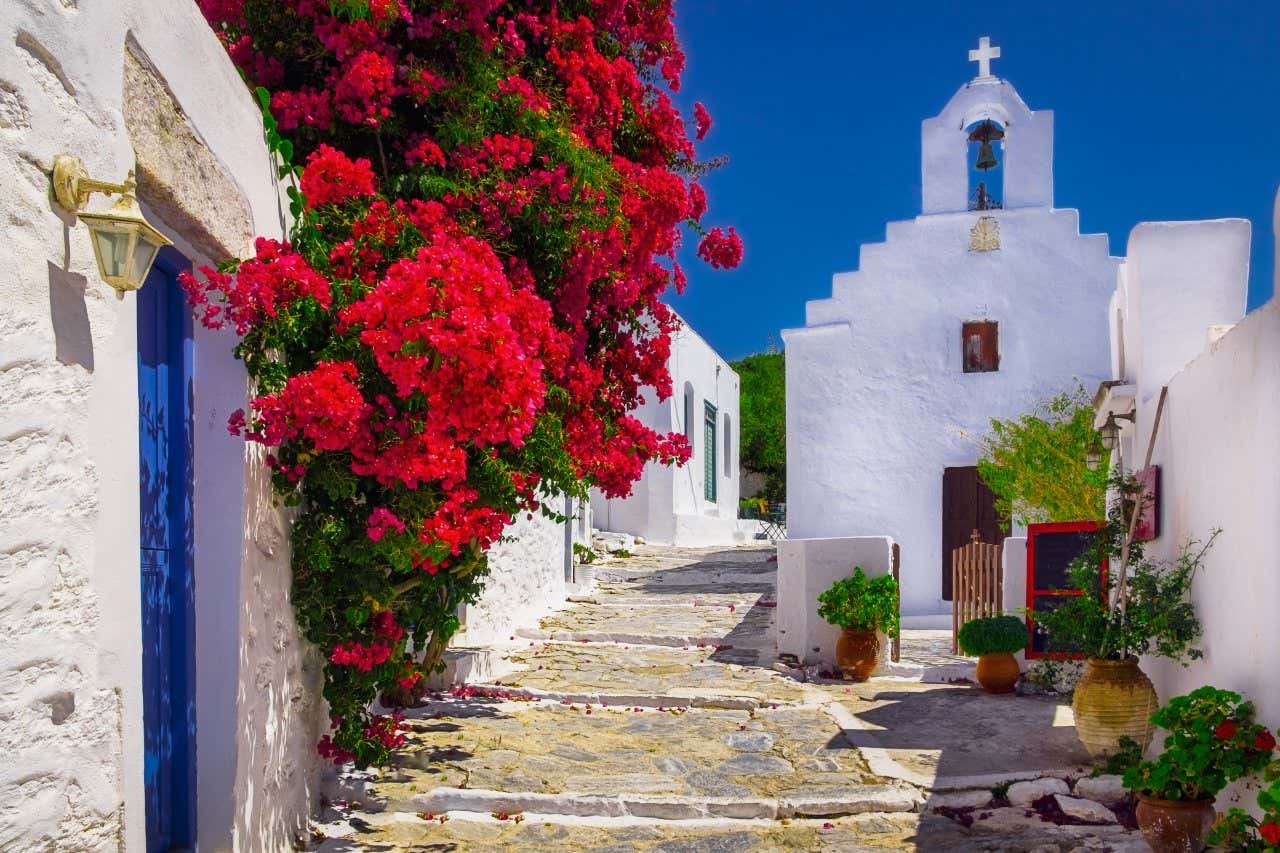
(986, 164)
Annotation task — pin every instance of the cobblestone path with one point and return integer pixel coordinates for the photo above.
(648, 717)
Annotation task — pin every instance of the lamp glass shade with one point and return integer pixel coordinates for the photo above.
(113, 249)
(125, 248)
(1109, 434)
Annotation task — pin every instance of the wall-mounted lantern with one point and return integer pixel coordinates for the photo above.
(124, 242)
(1109, 432)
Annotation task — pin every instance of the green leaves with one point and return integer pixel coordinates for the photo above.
(1037, 464)
(993, 635)
(862, 605)
(762, 403)
(1212, 741)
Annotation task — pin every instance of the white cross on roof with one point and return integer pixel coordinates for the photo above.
(983, 56)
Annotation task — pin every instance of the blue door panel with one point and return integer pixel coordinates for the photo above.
(165, 476)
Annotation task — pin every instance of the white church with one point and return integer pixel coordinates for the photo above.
(987, 302)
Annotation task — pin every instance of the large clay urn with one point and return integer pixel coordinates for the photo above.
(1113, 699)
(998, 672)
(857, 653)
(1174, 826)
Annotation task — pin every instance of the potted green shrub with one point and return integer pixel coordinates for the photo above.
(1140, 607)
(994, 639)
(1212, 740)
(862, 608)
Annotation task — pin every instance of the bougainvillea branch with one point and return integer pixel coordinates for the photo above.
(487, 211)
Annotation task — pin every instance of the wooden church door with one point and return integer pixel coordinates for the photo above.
(165, 477)
(967, 505)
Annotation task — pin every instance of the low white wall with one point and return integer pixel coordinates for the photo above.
(1014, 567)
(1220, 467)
(807, 567)
(526, 581)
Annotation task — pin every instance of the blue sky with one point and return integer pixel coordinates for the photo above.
(1164, 109)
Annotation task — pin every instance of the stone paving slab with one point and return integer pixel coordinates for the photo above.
(587, 671)
(953, 736)
(681, 624)
(545, 748)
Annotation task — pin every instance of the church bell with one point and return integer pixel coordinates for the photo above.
(986, 157)
(985, 133)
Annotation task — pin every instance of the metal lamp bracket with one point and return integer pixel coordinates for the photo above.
(72, 185)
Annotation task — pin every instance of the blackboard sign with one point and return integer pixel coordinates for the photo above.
(1051, 549)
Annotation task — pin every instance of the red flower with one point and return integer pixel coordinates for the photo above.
(1270, 832)
(331, 176)
(1226, 730)
(703, 120)
(1265, 741)
(721, 250)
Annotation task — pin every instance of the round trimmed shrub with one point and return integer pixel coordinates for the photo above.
(992, 635)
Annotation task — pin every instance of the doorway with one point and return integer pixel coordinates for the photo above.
(167, 540)
(967, 505)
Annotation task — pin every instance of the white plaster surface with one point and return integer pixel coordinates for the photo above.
(668, 505)
(1216, 446)
(806, 568)
(877, 401)
(70, 675)
(526, 581)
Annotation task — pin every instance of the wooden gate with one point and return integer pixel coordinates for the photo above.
(977, 583)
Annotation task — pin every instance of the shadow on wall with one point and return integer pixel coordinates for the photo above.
(73, 338)
(280, 707)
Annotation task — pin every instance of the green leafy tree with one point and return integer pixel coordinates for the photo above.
(1037, 464)
(763, 406)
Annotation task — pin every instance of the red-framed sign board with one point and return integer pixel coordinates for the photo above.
(1051, 548)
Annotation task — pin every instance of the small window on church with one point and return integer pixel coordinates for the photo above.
(980, 345)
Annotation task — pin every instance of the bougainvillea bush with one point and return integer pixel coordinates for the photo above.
(489, 198)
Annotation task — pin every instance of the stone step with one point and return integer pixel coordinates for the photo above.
(856, 800)
(646, 675)
(544, 833)
(574, 759)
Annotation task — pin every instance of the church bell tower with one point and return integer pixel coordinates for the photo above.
(985, 137)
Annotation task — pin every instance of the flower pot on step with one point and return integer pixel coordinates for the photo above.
(1174, 826)
(857, 653)
(1114, 699)
(998, 673)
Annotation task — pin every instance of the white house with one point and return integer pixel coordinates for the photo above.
(697, 503)
(987, 303)
(155, 690)
(1178, 322)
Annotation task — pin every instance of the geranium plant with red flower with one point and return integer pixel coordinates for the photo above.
(488, 208)
(1212, 740)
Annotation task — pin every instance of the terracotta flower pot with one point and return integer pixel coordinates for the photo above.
(1174, 826)
(1113, 699)
(857, 653)
(998, 673)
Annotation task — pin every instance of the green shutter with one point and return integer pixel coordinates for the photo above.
(709, 455)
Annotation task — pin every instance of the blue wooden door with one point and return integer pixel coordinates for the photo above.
(165, 476)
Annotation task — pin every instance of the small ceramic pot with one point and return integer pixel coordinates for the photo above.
(1174, 826)
(857, 653)
(998, 673)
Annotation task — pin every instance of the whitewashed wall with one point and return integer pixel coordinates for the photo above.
(877, 401)
(806, 569)
(668, 505)
(70, 677)
(1216, 447)
(526, 581)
